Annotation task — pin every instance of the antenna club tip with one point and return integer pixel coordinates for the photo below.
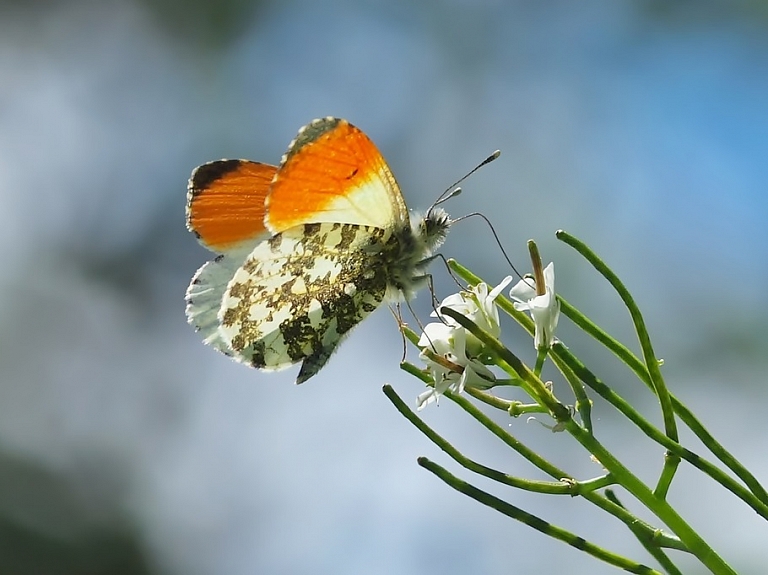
(490, 158)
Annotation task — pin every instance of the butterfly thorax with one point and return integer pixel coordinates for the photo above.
(409, 252)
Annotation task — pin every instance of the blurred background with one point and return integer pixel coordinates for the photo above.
(126, 446)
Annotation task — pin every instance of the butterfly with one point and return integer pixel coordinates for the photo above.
(306, 250)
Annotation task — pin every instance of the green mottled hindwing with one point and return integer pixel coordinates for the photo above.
(299, 292)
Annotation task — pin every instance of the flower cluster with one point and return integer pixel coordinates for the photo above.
(455, 357)
(453, 354)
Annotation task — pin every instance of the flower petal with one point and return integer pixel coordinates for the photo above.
(523, 290)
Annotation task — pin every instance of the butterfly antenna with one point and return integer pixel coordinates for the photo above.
(452, 190)
(455, 279)
(495, 237)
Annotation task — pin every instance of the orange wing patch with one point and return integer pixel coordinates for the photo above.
(332, 172)
(225, 202)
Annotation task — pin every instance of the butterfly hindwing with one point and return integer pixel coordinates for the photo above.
(204, 296)
(298, 293)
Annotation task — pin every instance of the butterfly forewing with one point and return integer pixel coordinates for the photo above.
(332, 172)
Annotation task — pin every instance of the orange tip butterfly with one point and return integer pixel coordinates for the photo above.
(306, 249)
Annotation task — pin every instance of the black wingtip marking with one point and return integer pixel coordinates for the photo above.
(311, 132)
(208, 173)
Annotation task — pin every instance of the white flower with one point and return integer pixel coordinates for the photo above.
(442, 340)
(474, 374)
(450, 351)
(478, 306)
(448, 364)
(544, 308)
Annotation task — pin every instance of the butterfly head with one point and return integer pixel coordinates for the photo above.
(432, 229)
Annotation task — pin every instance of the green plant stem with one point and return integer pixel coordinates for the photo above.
(583, 403)
(517, 408)
(659, 537)
(535, 522)
(541, 355)
(690, 420)
(570, 487)
(653, 549)
(694, 543)
(720, 452)
(652, 364)
(561, 353)
(671, 461)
